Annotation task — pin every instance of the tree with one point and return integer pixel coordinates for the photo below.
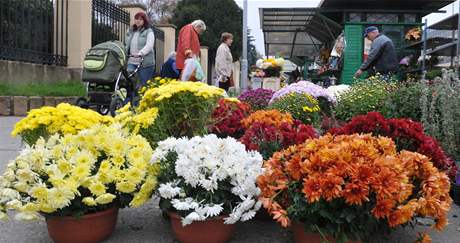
(219, 15)
(253, 55)
(159, 11)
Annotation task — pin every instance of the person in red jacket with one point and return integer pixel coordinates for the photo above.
(188, 44)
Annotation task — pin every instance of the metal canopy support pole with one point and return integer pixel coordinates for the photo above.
(244, 61)
(293, 42)
(424, 46)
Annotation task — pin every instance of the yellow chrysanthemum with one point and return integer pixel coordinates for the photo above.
(126, 187)
(97, 188)
(89, 201)
(105, 198)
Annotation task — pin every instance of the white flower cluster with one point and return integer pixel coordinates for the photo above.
(204, 163)
(338, 90)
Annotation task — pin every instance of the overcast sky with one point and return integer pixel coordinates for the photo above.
(254, 18)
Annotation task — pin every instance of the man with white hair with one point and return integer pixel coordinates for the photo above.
(188, 44)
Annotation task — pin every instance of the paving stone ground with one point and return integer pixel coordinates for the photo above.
(145, 224)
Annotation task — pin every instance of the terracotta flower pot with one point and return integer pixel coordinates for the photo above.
(210, 231)
(301, 236)
(91, 228)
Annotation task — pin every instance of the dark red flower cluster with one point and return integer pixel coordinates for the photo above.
(407, 134)
(268, 138)
(227, 118)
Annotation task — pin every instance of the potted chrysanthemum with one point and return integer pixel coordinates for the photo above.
(350, 187)
(206, 185)
(78, 182)
(63, 119)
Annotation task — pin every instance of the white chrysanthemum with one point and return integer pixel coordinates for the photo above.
(168, 190)
(247, 216)
(213, 211)
(206, 164)
(338, 90)
(185, 204)
(193, 216)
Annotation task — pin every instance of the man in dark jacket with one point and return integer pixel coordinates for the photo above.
(382, 56)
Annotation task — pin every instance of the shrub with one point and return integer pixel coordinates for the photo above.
(301, 106)
(364, 96)
(352, 186)
(404, 102)
(440, 104)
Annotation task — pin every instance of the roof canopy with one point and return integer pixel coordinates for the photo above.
(299, 32)
(427, 6)
(449, 23)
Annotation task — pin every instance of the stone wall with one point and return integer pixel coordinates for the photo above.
(20, 105)
(24, 73)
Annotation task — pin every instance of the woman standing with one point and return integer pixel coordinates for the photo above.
(224, 62)
(139, 43)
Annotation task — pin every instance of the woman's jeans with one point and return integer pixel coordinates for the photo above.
(144, 74)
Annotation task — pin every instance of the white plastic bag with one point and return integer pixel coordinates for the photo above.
(189, 69)
(192, 70)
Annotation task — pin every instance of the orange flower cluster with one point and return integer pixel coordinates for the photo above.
(355, 168)
(269, 117)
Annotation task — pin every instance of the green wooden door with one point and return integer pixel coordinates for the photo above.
(353, 55)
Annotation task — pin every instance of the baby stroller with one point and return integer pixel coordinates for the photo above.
(109, 85)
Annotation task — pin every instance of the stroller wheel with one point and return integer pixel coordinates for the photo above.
(82, 103)
(115, 104)
(103, 110)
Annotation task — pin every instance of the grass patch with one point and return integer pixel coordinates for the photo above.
(72, 88)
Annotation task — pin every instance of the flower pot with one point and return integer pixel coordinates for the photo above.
(90, 228)
(301, 236)
(210, 231)
(456, 193)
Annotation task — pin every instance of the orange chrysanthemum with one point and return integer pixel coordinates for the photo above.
(312, 189)
(270, 117)
(331, 186)
(360, 170)
(356, 193)
(383, 208)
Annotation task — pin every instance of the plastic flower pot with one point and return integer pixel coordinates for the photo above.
(456, 193)
(90, 228)
(209, 231)
(302, 236)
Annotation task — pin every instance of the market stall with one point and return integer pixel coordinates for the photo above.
(308, 35)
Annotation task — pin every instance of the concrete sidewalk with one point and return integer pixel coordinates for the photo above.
(145, 224)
